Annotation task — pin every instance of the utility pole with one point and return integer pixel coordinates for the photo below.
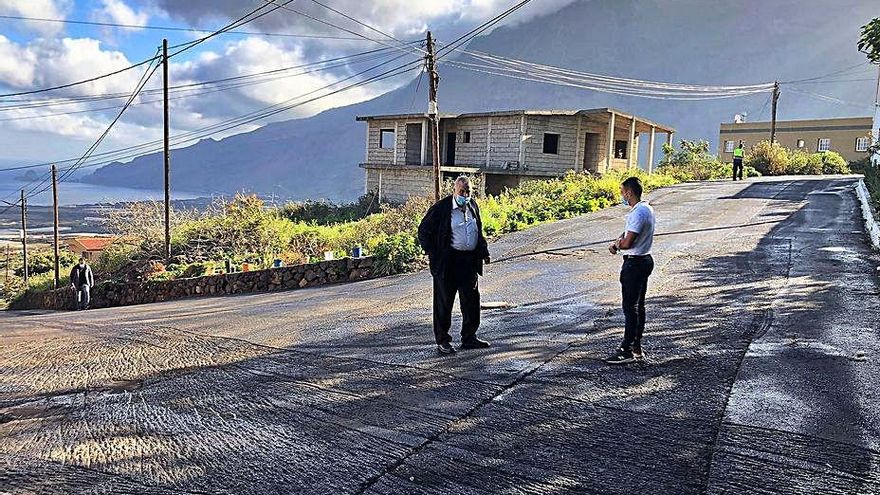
(24, 239)
(773, 121)
(167, 152)
(433, 114)
(55, 217)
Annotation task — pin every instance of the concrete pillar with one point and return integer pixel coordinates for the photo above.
(669, 138)
(488, 141)
(630, 155)
(651, 142)
(610, 143)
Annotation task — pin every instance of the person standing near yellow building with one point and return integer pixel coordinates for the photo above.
(738, 154)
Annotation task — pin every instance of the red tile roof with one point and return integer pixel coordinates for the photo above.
(92, 243)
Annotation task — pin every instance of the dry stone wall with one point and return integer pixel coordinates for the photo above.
(285, 278)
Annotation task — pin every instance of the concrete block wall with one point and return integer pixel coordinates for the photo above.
(504, 141)
(471, 154)
(375, 154)
(400, 183)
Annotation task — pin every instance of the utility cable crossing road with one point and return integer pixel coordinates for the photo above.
(762, 341)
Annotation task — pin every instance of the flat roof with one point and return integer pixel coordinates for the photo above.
(507, 113)
(831, 121)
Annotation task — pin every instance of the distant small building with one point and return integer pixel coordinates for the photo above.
(89, 247)
(851, 137)
(505, 147)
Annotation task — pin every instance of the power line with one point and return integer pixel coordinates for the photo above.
(173, 28)
(84, 81)
(473, 33)
(840, 71)
(620, 87)
(328, 63)
(144, 148)
(187, 93)
(328, 23)
(234, 24)
(831, 99)
(238, 22)
(140, 85)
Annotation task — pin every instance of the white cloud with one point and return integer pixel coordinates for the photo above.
(17, 64)
(44, 63)
(401, 18)
(47, 9)
(117, 11)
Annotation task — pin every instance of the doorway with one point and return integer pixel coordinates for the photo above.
(591, 152)
(450, 148)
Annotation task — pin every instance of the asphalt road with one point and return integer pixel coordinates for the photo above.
(763, 354)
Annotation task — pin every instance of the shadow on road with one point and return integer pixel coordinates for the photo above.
(371, 408)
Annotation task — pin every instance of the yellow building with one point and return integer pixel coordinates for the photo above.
(851, 137)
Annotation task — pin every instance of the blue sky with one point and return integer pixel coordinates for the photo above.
(35, 55)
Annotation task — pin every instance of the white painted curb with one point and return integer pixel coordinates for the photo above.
(871, 224)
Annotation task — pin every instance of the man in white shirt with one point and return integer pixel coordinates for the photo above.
(635, 244)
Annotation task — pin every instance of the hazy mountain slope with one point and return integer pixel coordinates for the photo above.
(697, 41)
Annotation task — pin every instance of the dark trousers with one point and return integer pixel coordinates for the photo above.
(460, 276)
(737, 168)
(634, 282)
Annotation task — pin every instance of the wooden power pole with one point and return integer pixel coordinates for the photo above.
(433, 114)
(55, 218)
(24, 255)
(773, 118)
(167, 152)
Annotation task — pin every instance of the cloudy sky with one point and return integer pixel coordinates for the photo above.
(37, 54)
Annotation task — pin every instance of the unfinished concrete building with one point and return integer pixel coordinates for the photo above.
(505, 148)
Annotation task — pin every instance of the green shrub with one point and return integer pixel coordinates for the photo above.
(43, 261)
(767, 158)
(327, 213)
(833, 163)
(776, 160)
(692, 161)
(872, 177)
(397, 253)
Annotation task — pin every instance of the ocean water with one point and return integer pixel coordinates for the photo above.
(79, 193)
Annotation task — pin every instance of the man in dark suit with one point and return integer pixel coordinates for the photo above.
(82, 280)
(452, 235)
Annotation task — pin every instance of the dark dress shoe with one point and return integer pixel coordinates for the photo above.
(445, 348)
(474, 343)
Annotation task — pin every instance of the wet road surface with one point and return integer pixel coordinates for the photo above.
(762, 342)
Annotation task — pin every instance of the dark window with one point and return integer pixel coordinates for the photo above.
(386, 139)
(551, 144)
(621, 149)
(467, 137)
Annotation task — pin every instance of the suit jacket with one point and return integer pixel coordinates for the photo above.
(435, 236)
(79, 276)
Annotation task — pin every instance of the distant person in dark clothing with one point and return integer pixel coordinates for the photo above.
(82, 280)
(635, 244)
(451, 233)
(738, 154)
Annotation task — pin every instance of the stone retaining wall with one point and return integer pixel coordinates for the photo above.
(123, 294)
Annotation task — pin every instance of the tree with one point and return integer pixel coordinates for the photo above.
(869, 41)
